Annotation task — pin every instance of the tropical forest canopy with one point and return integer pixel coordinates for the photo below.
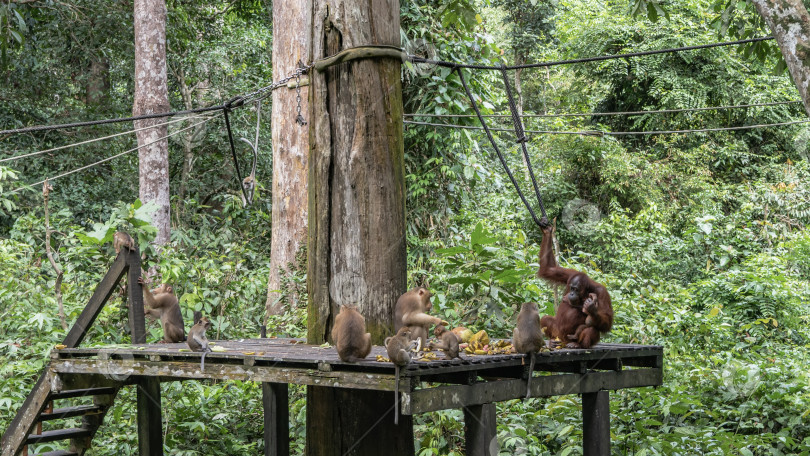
(701, 237)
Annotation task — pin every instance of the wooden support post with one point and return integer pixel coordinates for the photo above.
(480, 430)
(275, 400)
(596, 424)
(362, 425)
(356, 249)
(137, 325)
(150, 427)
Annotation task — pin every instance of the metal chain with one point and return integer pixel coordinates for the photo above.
(264, 92)
(299, 119)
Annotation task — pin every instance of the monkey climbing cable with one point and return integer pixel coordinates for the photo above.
(537, 221)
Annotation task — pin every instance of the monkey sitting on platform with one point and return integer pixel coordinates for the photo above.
(349, 335)
(399, 352)
(197, 341)
(411, 310)
(448, 342)
(528, 336)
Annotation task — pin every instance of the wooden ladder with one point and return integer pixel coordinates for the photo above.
(26, 427)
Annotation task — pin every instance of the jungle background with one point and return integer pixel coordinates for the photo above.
(701, 238)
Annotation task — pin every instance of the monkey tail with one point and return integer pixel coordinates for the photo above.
(202, 361)
(529, 380)
(396, 394)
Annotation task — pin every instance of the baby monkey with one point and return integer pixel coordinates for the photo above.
(121, 239)
(399, 352)
(528, 336)
(197, 341)
(448, 342)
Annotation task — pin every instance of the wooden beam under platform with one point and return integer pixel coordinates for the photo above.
(450, 397)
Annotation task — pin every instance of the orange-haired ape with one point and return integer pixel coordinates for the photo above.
(585, 311)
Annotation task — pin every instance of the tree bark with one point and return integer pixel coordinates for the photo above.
(356, 241)
(790, 24)
(98, 81)
(152, 96)
(357, 184)
(291, 45)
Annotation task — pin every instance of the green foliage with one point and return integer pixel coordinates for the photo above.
(486, 280)
(13, 28)
(134, 219)
(700, 238)
(532, 24)
(6, 205)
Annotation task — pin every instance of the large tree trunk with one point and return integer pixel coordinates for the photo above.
(152, 96)
(356, 245)
(790, 25)
(291, 45)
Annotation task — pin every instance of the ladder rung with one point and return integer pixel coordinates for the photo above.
(83, 392)
(69, 412)
(59, 434)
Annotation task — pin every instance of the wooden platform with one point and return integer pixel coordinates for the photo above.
(473, 384)
(476, 379)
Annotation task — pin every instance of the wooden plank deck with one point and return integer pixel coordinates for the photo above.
(494, 377)
(295, 353)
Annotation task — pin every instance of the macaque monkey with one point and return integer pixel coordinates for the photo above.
(121, 239)
(448, 342)
(197, 341)
(411, 311)
(249, 183)
(528, 337)
(399, 352)
(349, 335)
(162, 303)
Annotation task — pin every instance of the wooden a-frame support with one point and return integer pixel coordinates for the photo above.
(38, 400)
